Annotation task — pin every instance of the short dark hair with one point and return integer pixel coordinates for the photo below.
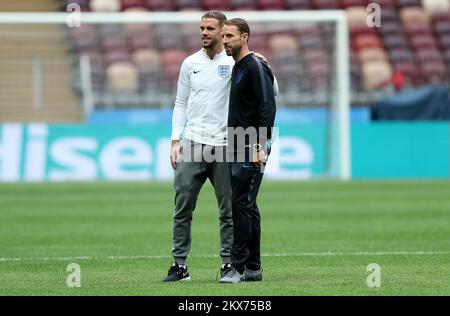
(219, 16)
(241, 24)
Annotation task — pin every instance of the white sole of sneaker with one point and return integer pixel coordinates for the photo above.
(186, 279)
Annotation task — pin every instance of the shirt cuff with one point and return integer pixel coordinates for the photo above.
(176, 133)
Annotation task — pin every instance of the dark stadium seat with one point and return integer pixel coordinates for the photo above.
(113, 30)
(168, 36)
(389, 28)
(433, 72)
(298, 4)
(428, 55)
(116, 56)
(442, 27)
(243, 4)
(444, 41)
(105, 5)
(446, 56)
(388, 14)
(401, 55)
(187, 4)
(160, 5)
(423, 41)
(395, 41)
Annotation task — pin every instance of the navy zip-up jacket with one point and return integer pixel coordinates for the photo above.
(252, 100)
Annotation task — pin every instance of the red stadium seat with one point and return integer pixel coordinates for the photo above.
(418, 29)
(423, 41)
(187, 4)
(408, 3)
(122, 77)
(128, 4)
(216, 5)
(444, 41)
(429, 55)
(372, 54)
(271, 5)
(325, 4)
(440, 16)
(84, 4)
(384, 3)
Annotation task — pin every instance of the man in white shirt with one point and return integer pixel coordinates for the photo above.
(200, 113)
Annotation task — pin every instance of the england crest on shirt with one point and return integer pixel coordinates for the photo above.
(223, 70)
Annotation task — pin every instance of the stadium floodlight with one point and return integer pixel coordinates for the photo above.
(332, 93)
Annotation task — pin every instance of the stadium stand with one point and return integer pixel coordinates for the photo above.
(414, 33)
(413, 42)
(27, 46)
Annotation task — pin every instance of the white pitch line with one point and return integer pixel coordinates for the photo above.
(304, 254)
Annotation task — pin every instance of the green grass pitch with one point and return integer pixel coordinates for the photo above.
(317, 239)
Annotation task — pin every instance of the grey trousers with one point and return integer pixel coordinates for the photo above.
(190, 175)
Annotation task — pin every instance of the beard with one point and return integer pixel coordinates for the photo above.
(233, 50)
(208, 43)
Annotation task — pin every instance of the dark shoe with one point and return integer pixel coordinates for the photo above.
(177, 273)
(232, 276)
(251, 275)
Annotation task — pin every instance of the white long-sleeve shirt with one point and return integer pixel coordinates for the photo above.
(203, 91)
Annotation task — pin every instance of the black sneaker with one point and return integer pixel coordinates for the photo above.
(224, 269)
(177, 273)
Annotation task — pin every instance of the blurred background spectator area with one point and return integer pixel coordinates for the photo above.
(137, 65)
